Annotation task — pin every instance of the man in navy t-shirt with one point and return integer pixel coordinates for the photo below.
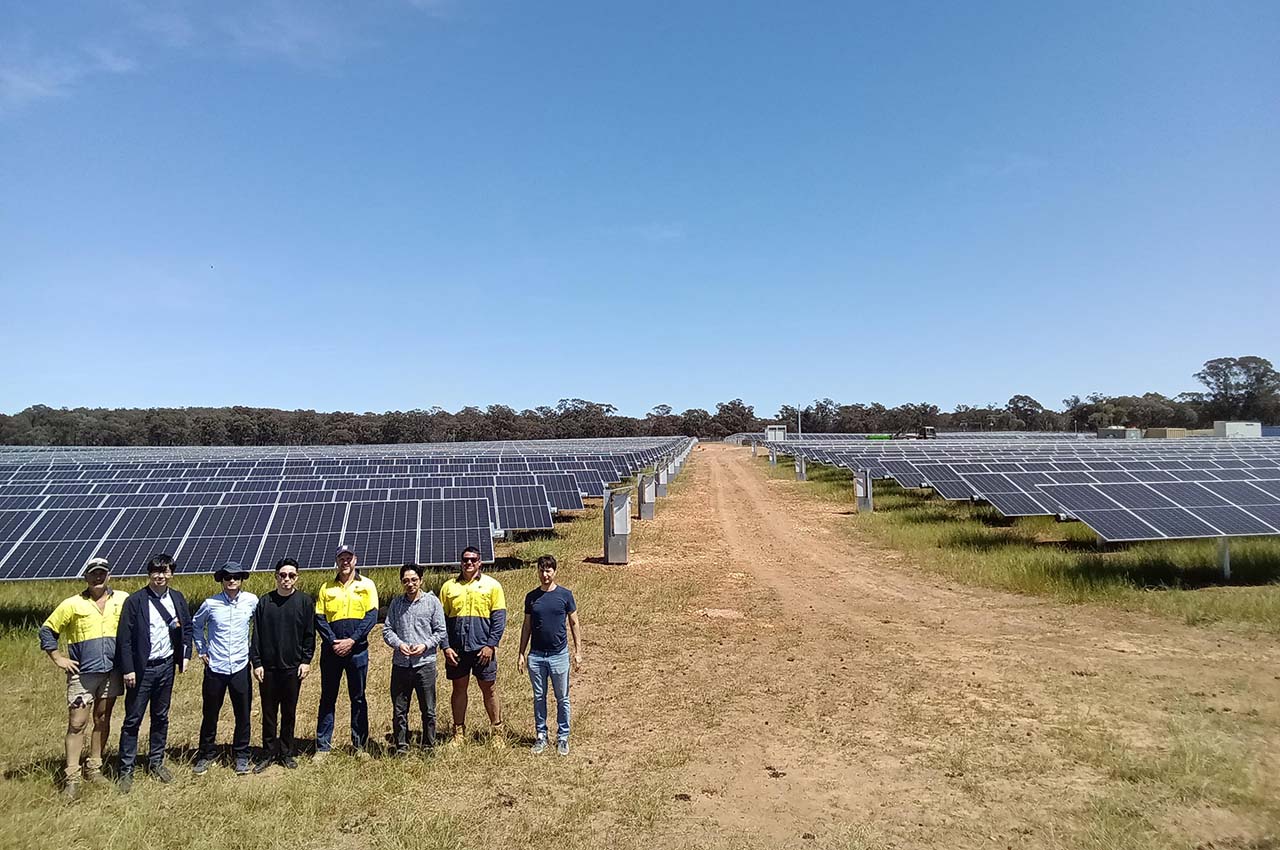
(550, 617)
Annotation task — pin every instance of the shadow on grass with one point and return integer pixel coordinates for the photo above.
(19, 617)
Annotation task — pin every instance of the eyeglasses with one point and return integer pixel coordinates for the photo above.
(286, 575)
(471, 560)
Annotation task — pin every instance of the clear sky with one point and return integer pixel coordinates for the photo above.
(393, 204)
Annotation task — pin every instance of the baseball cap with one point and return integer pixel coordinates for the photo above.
(344, 549)
(95, 564)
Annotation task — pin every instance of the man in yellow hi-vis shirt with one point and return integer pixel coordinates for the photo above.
(346, 611)
(88, 622)
(475, 616)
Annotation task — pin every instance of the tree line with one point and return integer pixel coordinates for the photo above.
(1234, 388)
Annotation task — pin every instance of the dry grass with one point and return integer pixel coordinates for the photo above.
(1039, 556)
(480, 795)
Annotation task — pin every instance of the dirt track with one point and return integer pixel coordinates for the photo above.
(830, 693)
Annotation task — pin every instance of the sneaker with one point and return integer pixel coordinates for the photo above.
(242, 765)
(201, 767)
(562, 746)
(539, 746)
(261, 765)
(71, 790)
(289, 762)
(161, 773)
(320, 755)
(124, 782)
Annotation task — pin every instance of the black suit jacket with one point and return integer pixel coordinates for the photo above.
(133, 637)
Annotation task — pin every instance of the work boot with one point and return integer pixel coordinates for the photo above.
(93, 772)
(160, 773)
(498, 736)
(71, 790)
(459, 736)
(124, 782)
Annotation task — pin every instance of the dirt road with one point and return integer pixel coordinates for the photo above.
(826, 692)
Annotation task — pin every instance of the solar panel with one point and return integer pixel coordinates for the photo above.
(222, 534)
(449, 526)
(58, 544)
(309, 534)
(562, 490)
(523, 508)
(142, 533)
(383, 533)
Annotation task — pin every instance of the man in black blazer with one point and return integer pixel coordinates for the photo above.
(154, 640)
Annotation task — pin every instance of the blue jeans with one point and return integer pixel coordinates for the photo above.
(331, 669)
(553, 666)
(155, 687)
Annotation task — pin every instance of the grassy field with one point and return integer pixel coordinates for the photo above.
(1040, 556)
(445, 799)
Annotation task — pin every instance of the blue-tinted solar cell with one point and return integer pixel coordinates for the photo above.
(1075, 498)
(70, 502)
(1241, 493)
(1105, 477)
(1231, 520)
(954, 490)
(298, 496)
(206, 554)
(232, 521)
(164, 487)
(383, 516)
(365, 495)
(117, 487)
(14, 523)
(254, 497)
(134, 500)
(415, 493)
(308, 518)
(514, 480)
(1176, 522)
(1150, 475)
(1188, 495)
(1136, 496)
(22, 490)
(153, 522)
(45, 560)
(69, 525)
(1071, 478)
(1118, 525)
(562, 490)
(193, 499)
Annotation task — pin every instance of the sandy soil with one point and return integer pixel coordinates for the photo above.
(827, 692)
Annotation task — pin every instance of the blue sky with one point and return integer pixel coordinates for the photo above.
(393, 204)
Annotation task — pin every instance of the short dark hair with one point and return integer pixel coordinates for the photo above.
(417, 569)
(469, 549)
(547, 561)
(287, 562)
(159, 564)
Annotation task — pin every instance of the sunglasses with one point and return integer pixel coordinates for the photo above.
(286, 575)
(470, 560)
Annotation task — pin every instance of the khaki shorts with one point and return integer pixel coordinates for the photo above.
(84, 688)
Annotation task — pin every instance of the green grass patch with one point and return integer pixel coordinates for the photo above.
(1063, 560)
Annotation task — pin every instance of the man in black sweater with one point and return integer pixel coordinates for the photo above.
(280, 652)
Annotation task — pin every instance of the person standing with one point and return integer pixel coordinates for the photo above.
(346, 611)
(475, 615)
(222, 641)
(152, 642)
(415, 631)
(547, 610)
(281, 647)
(88, 623)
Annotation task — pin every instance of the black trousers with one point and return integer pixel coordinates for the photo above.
(405, 682)
(214, 691)
(154, 688)
(279, 689)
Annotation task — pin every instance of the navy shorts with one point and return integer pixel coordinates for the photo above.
(468, 663)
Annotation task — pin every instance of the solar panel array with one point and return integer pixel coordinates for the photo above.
(254, 505)
(1122, 489)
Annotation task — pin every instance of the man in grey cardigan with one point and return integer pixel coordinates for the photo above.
(415, 630)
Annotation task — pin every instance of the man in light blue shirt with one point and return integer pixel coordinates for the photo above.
(222, 642)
